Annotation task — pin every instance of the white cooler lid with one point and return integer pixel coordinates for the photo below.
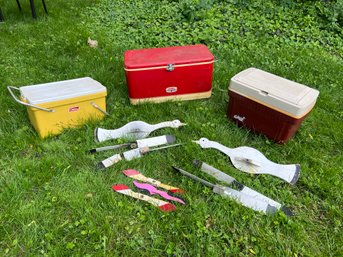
(284, 95)
(61, 90)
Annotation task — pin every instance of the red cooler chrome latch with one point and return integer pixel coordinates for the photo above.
(170, 67)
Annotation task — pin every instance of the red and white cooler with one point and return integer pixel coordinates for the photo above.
(169, 73)
(269, 104)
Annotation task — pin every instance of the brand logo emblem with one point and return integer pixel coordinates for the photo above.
(73, 109)
(171, 89)
(240, 118)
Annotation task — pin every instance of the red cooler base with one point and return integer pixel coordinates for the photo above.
(261, 119)
(172, 98)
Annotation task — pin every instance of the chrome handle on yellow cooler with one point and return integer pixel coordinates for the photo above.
(26, 104)
(100, 109)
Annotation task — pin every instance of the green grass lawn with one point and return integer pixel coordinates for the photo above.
(54, 202)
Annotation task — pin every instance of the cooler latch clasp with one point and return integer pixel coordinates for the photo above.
(170, 67)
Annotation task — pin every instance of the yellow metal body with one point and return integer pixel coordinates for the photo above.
(67, 113)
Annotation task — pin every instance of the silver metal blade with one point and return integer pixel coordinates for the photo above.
(194, 177)
(245, 200)
(163, 147)
(221, 176)
(212, 171)
(113, 147)
(156, 141)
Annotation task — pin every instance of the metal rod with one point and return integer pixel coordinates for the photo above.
(1, 16)
(19, 6)
(44, 5)
(33, 10)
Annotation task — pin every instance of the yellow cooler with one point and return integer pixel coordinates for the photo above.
(64, 104)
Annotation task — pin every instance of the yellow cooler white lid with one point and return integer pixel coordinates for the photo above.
(281, 94)
(61, 90)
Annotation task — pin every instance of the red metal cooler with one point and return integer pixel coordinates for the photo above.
(170, 73)
(269, 104)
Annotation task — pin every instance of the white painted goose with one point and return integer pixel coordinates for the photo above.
(250, 160)
(134, 130)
